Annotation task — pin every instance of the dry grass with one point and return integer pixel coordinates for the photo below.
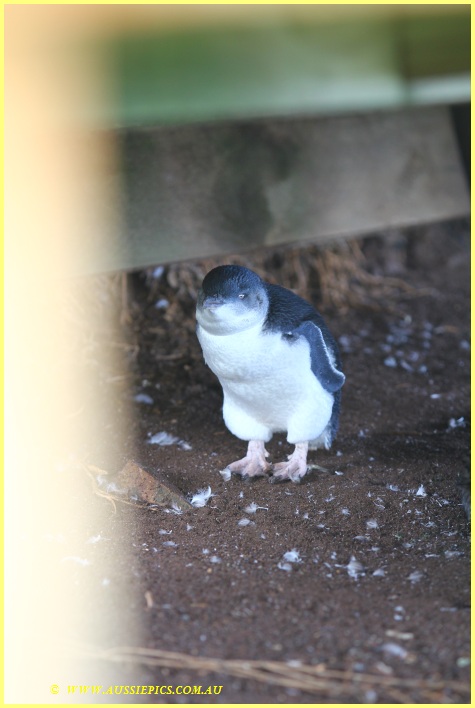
(107, 316)
(319, 680)
(332, 277)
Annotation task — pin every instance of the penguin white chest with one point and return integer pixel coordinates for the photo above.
(266, 378)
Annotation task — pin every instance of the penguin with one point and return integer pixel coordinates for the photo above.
(278, 365)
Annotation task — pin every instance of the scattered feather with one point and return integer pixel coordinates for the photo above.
(345, 511)
(355, 568)
(174, 509)
(96, 539)
(372, 524)
(392, 487)
(391, 362)
(395, 650)
(292, 556)
(379, 573)
(284, 566)
(252, 508)
(215, 559)
(144, 398)
(416, 576)
(201, 497)
(162, 304)
(165, 439)
(170, 544)
(456, 423)
(164, 532)
(421, 492)
(244, 522)
(399, 613)
(226, 474)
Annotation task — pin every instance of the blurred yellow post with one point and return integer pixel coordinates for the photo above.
(50, 159)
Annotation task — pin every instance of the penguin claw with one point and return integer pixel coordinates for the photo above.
(295, 468)
(285, 476)
(248, 472)
(254, 464)
(274, 479)
(250, 479)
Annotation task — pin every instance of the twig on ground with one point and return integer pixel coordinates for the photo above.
(313, 679)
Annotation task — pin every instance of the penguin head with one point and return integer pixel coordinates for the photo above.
(231, 299)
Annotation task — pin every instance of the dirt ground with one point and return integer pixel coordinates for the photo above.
(373, 602)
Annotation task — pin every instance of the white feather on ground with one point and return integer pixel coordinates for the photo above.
(354, 568)
(165, 439)
(252, 508)
(201, 497)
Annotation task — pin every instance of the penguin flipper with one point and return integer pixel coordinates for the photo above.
(321, 358)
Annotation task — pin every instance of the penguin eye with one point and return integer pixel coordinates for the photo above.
(241, 296)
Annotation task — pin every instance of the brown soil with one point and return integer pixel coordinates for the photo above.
(381, 590)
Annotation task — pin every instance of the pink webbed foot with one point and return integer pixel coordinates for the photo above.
(254, 464)
(295, 468)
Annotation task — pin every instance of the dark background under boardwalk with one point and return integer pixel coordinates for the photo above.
(391, 497)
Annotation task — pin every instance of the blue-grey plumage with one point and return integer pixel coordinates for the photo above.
(278, 365)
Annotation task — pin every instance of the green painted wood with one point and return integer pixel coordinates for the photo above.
(287, 69)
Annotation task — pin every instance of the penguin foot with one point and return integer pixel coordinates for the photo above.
(254, 464)
(294, 469)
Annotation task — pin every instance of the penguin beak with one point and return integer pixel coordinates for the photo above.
(210, 303)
